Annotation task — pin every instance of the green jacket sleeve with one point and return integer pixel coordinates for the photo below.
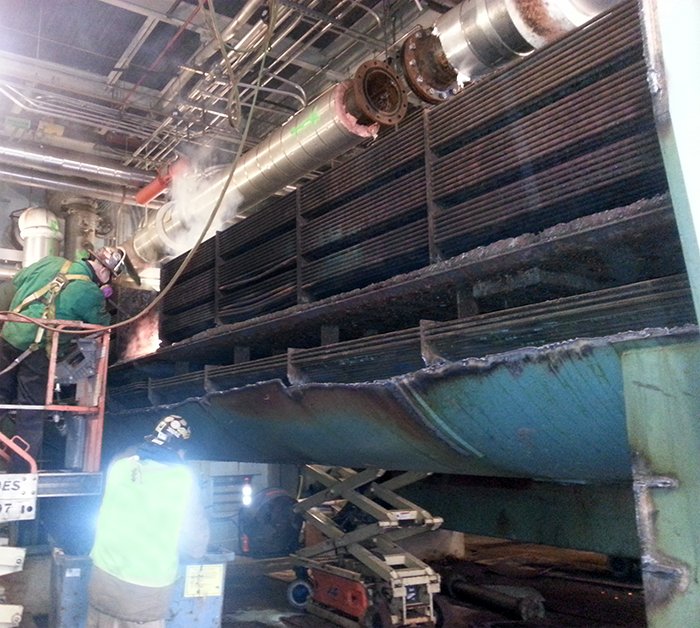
(95, 311)
(83, 301)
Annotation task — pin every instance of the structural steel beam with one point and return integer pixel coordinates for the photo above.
(662, 398)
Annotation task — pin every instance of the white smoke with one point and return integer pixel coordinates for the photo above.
(194, 197)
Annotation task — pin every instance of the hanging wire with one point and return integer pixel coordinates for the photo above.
(234, 101)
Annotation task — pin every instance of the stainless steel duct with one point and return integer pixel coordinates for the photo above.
(477, 36)
(63, 163)
(335, 122)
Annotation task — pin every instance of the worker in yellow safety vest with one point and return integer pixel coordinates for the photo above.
(52, 288)
(151, 515)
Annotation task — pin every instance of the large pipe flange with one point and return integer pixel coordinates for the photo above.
(376, 95)
(426, 68)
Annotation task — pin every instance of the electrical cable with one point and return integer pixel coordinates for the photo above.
(234, 97)
(200, 239)
(233, 94)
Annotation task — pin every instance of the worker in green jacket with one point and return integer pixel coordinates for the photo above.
(51, 288)
(151, 515)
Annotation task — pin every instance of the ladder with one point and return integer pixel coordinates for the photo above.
(359, 576)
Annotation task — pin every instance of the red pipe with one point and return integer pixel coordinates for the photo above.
(162, 181)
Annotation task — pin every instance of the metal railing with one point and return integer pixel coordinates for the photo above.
(90, 391)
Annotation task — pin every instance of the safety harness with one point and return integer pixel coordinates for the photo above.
(46, 295)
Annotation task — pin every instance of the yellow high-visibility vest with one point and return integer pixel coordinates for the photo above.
(140, 521)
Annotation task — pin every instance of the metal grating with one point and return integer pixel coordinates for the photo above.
(202, 260)
(615, 174)
(609, 110)
(189, 293)
(278, 217)
(178, 326)
(398, 251)
(273, 293)
(398, 151)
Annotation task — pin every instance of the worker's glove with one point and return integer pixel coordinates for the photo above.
(107, 290)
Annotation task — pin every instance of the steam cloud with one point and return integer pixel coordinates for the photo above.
(193, 199)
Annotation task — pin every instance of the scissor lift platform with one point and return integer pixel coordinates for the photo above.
(359, 577)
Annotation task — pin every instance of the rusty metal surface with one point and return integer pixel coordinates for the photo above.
(553, 412)
(564, 134)
(664, 302)
(557, 244)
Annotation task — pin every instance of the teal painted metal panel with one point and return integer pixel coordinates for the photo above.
(554, 412)
(593, 517)
(662, 391)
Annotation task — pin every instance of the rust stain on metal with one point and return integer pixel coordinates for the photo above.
(536, 16)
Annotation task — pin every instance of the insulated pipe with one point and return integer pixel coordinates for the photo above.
(480, 35)
(63, 163)
(336, 121)
(477, 36)
(40, 232)
(47, 181)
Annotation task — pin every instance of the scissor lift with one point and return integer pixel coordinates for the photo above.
(86, 367)
(360, 577)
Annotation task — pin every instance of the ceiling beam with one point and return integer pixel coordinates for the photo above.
(128, 55)
(161, 10)
(74, 81)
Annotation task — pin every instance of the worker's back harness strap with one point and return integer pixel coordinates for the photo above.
(47, 295)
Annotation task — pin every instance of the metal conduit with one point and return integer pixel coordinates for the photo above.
(172, 91)
(171, 94)
(247, 45)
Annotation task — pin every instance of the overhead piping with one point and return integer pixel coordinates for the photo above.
(336, 121)
(239, 58)
(46, 181)
(172, 91)
(63, 163)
